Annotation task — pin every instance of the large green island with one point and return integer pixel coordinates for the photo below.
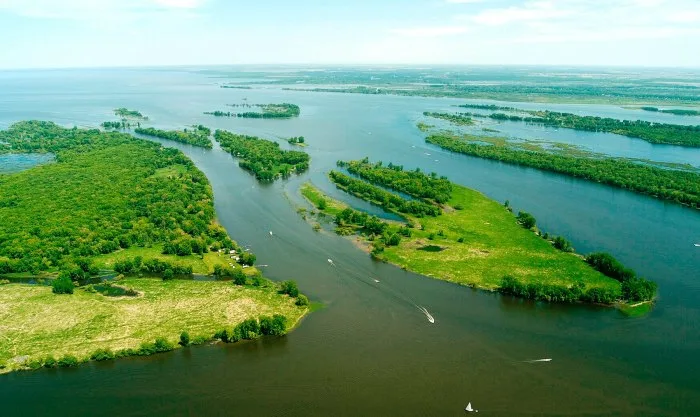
(454, 233)
(98, 250)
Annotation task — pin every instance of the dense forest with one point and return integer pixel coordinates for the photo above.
(457, 119)
(677, 112)
(414, 183)
(197, 135)
(129, 114)
(665, 133)
(678, 186)
(107, 191)
(262, 157)
(388, 201)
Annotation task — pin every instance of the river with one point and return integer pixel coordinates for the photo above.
(371, 351)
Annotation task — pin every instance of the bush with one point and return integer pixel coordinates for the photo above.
(638, 289)
(608, 265)
(526, 220)
(162, 345)
(102, 355)
(562, 244)
(68, 361)
(290, 288)
(62, 284)
(394, 240)
(50, 362)
(248, 329)
(223, 335)
(184, 339)
(168, 274)
(239, 277)
(273, 326)
(302, 300)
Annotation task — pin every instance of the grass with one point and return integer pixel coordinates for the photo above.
(200, 265)
(34, 322)
(493, 245)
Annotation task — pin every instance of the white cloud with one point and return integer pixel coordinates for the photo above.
(533, 11)
(464, 1)
(427, 32)
(183, 4)
(92, 9)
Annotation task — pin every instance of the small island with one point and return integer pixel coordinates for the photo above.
(297, 140)
(197, 136)
(262, 157)
(454, 233)
(99, 258)
(267, 111)
(456, 119)
(677, 112)
(129, 114)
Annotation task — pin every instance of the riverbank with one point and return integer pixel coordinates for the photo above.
(475, 245)
(36, 324)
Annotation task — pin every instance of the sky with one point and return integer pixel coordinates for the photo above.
(105, 33)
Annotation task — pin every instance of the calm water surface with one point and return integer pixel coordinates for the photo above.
(371, 351)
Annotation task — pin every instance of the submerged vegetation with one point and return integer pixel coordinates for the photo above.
(196, 136)
(473, 241)
(262, 157)
(673, 185)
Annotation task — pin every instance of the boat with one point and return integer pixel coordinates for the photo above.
(469, 409)
(697, 245)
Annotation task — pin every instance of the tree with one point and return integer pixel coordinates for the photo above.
(273, 326)
(290, 288)
(184, 339)
(239, 277)
(168, 274)
(563, 244)
(526, 220)
(302, 300)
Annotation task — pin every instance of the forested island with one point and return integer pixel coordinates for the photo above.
(457, 119)
(677, 112)
(673, 185)
(262, 157)
(475, 241)
(297, 140)
(665, 133)
(267, 111)
(129, 114)
(197, 136)
(116, 216)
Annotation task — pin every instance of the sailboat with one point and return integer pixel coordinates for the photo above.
(469, 409)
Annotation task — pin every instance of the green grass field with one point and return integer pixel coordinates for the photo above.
(34, 322)
(494, 245)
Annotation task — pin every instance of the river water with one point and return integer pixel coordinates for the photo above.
(371, 351)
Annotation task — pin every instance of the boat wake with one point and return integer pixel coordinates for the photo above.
(430, 317)
(538, 360)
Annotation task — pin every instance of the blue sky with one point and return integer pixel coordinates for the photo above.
(88, 33)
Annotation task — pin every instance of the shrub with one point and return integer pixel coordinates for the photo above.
(50, 362)
(162, 345)
(223, 335)
(526, 220)
(608, 265)
(168, 274)
(394, 240)
(248, 329)
(62, 284)
(302, 300)
(102, 355)
(460, 240)
(638, 289)
(68, 361)
(239, 277)
(290, 288)
(184, 339)
(562, 244)
(273, 326)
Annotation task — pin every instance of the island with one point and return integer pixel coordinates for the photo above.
(198, 135)
(677, 112)
(125, 113)
(471, 240)
(457, 119)
(262, 157)
(297, 140)
(267, 111)
(98, 260)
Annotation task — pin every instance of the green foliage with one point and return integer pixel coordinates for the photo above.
(262, 157)
(290, 288)
(457, 119)
(388, 201)
(68, 361)
(562, 244)
(267, 111)
(526, 220)
(199, 136)
(104, 193)
(549, 292)
(639, 289)
(102, 355)
(414, 183)
(296, 140)
(677, 112)
(133, 114)
(239, 277)
(62, 285)
(371, 225)
(50, 362)
(273, 326)
(609, 266)
(184, 339)
(302, 300)
(168, 274)
(679, 186)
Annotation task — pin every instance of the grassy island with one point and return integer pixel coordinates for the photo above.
(267, 111)
(479, 243)
(262, 157)
(196, 136)
(677, 112)
(673, 185)
(457, 119)
(129, 114)
(117, 207)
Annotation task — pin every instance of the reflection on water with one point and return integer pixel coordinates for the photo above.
(10, 163)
